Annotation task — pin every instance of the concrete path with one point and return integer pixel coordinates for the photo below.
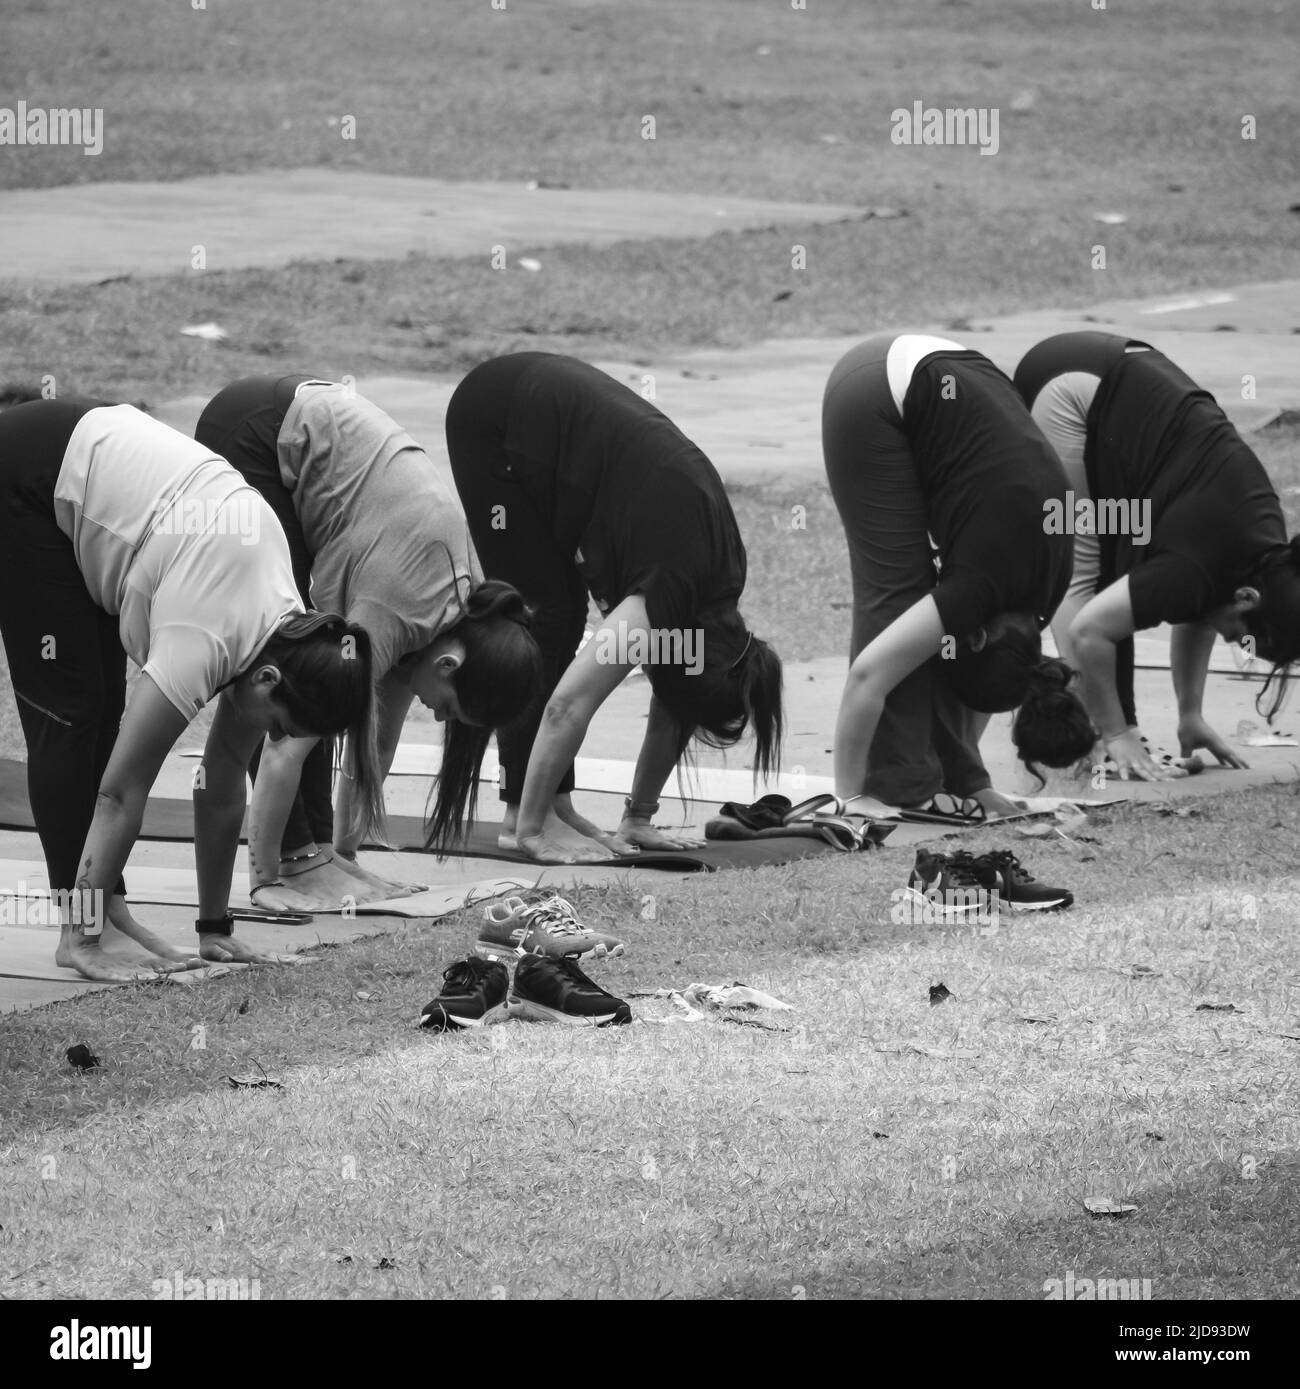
(756, 411)
(93, 231)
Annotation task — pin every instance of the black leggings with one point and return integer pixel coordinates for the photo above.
(510, 507)
(926, 740)
(65, 653)
(242, 424)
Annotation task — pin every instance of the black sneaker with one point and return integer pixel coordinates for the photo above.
(473, 995)
(943, 885)
(1001, 872)
(550, 990)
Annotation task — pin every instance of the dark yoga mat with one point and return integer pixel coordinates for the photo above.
(165, 818)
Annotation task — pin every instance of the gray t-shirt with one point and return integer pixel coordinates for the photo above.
(383, 519)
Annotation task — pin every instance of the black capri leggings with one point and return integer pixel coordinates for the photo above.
(509, 503)
(242, 424)
(927, 740)
(65, 653)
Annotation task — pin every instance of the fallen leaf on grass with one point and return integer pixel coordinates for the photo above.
(875, 1133)
(1217, 1008)
(249, 1081)
(1142, 972)
(1159, 1137)
(1104, 1205)
(952, 1054)
(1046, 1020)
(939, 993)
(82, 1057)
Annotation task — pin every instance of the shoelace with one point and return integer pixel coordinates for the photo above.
(556, 916)
(464, 974)
(1005, 859)
(961, 869)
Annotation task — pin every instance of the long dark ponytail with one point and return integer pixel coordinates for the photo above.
(1275, 625)
(497, 684)
(325, 687)
(738, 688)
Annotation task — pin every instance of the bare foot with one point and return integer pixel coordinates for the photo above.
(82, 953)
(562, 843)
(554, 848)
(176, 957)
(386, 887)
(323, 888)
(226, 950)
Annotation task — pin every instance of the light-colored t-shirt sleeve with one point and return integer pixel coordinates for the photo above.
(188, 664)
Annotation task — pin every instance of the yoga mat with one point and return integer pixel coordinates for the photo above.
(169, 819)
(179, 887)
(609, 774)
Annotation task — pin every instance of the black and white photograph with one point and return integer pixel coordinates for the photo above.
(646, 655)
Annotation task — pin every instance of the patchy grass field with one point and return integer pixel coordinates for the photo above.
(878, 1147)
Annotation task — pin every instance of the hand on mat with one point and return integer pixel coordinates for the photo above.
(644, 835)
(226, 950)
(1194, 732)
(1133, 762)
(996, 804)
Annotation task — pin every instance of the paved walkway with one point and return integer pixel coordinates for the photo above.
(92, 231)
(756, 411)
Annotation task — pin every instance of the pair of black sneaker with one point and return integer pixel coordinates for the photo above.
(963, 884)
(477, 993)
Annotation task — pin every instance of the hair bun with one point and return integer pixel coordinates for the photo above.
(1051, 673)
(494, 598)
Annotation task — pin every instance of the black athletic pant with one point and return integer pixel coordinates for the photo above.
(1095, 353)
(65, 653)
(242, 424)
(926, 740)
(509, 503)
